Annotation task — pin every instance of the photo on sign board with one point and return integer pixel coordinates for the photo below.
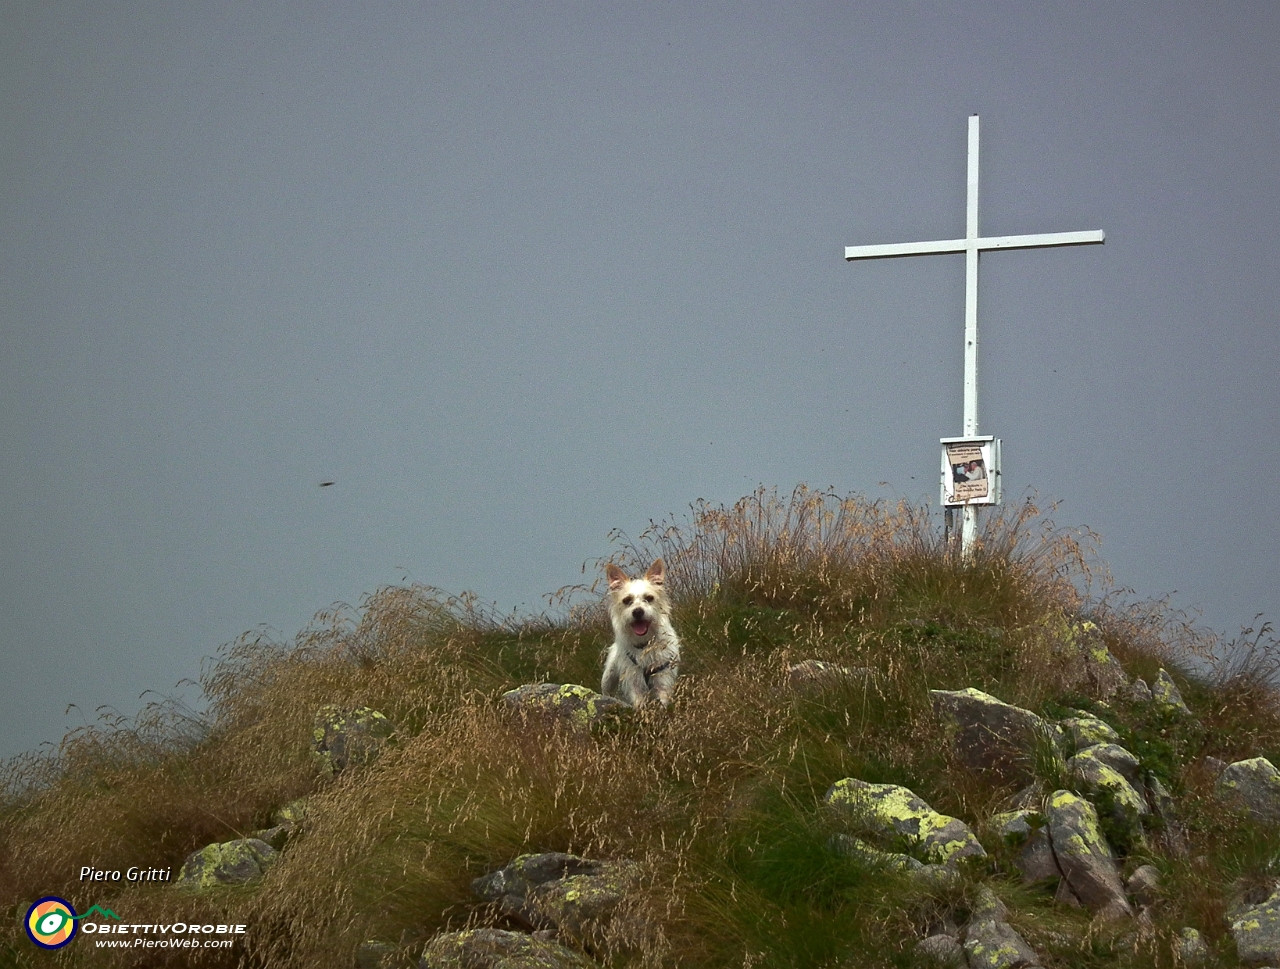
(968, 470)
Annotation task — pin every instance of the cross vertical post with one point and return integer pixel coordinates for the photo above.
(971, 245)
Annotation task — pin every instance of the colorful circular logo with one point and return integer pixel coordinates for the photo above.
(51, 922)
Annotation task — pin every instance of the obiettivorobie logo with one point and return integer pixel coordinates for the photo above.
(51, 921)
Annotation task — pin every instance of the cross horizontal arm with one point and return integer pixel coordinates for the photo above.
(1042, 241)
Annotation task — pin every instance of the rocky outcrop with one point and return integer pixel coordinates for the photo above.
(1257, 931)
(1166, 697)
(1254, 786)
(498, 949)
(895, 813)
(1112, 776)
(1025, 830)
(570, 703)
(342, 739)
(941, 951)
(1087, 864)
(577, 897)
(988, 734)
(992, 943)
(228, 863)
(1087, 730)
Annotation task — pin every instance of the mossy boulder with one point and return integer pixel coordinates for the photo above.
(896, 814)
(989, 734)
(575, 705)
(1253, 785)
(498, 949)
(348, 738)
(228, 863)
(873, 857)
(1084, 855)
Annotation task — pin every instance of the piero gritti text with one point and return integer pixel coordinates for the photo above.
(91, 874)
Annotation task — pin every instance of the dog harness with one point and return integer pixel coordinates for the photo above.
(653, 671)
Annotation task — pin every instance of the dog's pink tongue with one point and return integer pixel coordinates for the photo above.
(640, 628)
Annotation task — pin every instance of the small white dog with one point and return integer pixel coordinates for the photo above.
(645, 656)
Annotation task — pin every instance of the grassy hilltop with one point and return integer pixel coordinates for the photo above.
(718, 800)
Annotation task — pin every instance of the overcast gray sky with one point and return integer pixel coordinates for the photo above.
(514, 275)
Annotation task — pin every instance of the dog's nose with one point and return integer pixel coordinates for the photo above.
(638, 612)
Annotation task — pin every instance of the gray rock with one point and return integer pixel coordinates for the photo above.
(228, 863)
(1025, 830)
(275, 837)
(942, 951)
(1143, 883)
(988, 734)
(1192, 947)
(1172, 835)
(1087, 730)
(814, 676)
(576, 705)
(498, 949)
(1139, 692)
(1117, 758)
(1096, 775)
(1166, 697)
(342, 739)
(1084, 856)
(576, 896)
(1253, 785)
(992, 943)
(1257, 931)
(871, 856)
(895, 812)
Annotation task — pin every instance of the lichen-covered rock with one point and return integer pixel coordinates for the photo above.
(873, 857)
(1192, 947)
(1253, 785)
(1093, 767)
(1139, 692)
(1106, 675)
(1170, 831)
(1087, 730)
(1025, 830)
(815, 675)
(498, 949)
(942, 951)
(1084, 856)
(575, 896)
(293, 815)
(895, 812)
(342, 739)
(228, 863)
(997, 945)
(1117, 758)
(576, 705)
(1257, 931)
(1166, 697)
(992, 943)
(989, 734)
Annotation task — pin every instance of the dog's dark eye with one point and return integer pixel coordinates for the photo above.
(627, 600)
(648, 598)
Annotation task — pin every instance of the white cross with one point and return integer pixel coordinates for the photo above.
(971, 245)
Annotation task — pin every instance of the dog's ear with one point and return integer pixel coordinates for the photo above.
(615, 575)
(656, 572)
